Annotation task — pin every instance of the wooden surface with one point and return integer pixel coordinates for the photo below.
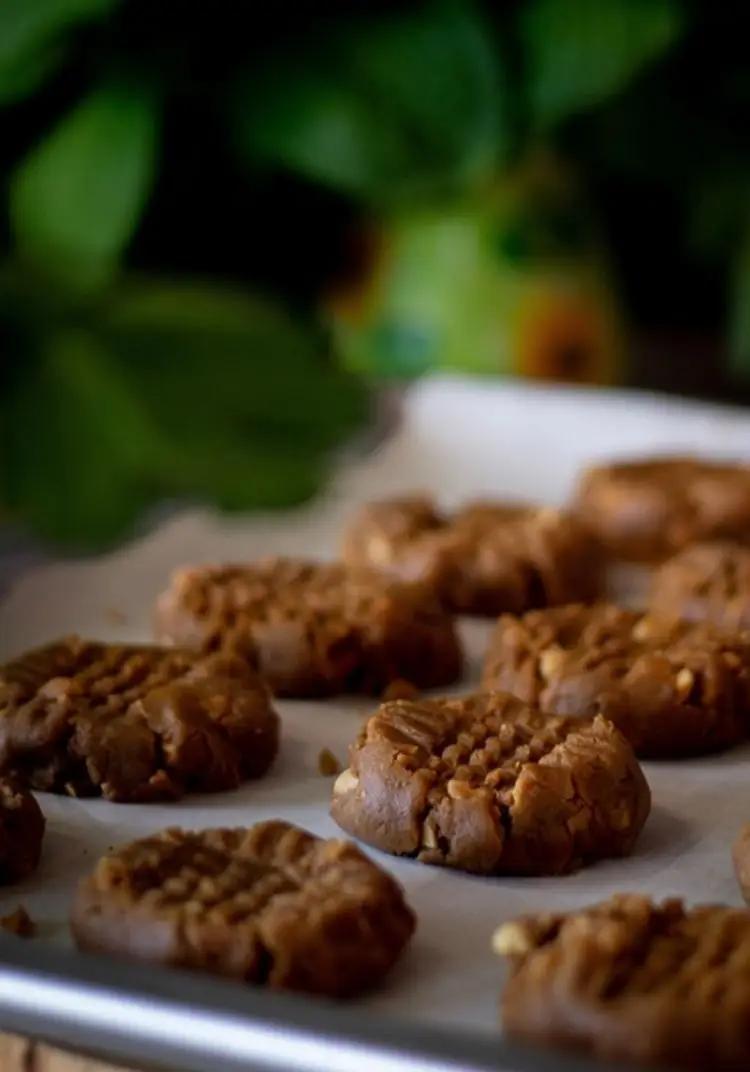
(22, 1055)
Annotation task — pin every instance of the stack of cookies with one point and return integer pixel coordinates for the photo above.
(537, 772)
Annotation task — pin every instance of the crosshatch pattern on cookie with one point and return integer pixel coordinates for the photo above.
(488, 784)
(631, 979)
(133, 722)
(313, 628)
(269, 904)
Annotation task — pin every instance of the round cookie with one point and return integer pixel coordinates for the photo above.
(706, 582)
(672, 688)
(486, 558)
(21, 832)
(632, 980)
(490, 785)
(646, 510)
(133, 722)
(270, 904)
(313, 628)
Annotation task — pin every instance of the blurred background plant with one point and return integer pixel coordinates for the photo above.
(218, 233)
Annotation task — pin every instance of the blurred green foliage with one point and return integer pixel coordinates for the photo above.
(139, 145)
(148, 390)
(120, 390)
(580, 53)
(401, 105)
(76, 199)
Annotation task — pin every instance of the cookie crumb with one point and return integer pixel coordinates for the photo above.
(19, 922)
(328, 765)
(115, 616)
(401, 689)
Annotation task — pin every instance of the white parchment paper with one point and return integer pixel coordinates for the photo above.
(459, 438)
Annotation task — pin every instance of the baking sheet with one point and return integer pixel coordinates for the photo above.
(459, 439)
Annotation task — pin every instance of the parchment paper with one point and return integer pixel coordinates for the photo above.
(459, 438)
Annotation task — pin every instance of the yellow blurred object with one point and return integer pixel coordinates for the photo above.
(510, 281)
(567, 333)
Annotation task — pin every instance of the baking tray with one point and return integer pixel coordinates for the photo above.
(458, 438)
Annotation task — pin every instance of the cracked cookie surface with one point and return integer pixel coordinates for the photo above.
(485, 558)
(313, 628)
(629, 979)
(21, 832)
(133, 722)
(489, 785)
(672, 688)
(646, 509)
(707, 582)
(270, 904)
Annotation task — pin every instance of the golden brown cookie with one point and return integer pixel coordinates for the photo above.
(486, 558)
(133, 722)
(21, 832)
(632, 980)
(672, 688)
(645, 510)
(270, 904)
(708, 582)
(487, 784)
(313, 628)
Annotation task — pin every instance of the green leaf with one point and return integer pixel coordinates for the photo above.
(32, 34)
(243, 396)
(76, 200)
(250, 366)
(578, 53)
(383, 107)
(75, 444)
(158, 391)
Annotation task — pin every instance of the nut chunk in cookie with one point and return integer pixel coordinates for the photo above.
(708, 582)
(269, 904)
(672, 688)
(490, 785)
(133, 722)
(21, 832)
(486, 558)
(644, 510)
(313, 628)
(632, 980)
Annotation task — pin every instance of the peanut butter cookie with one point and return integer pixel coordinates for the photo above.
(672, 688)
(133, 722)
(708, 582)
(21, 832)
(486, 558)
(270, 904)
(313, 628)
(645, 510)
(490, 785)
(632, 980)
